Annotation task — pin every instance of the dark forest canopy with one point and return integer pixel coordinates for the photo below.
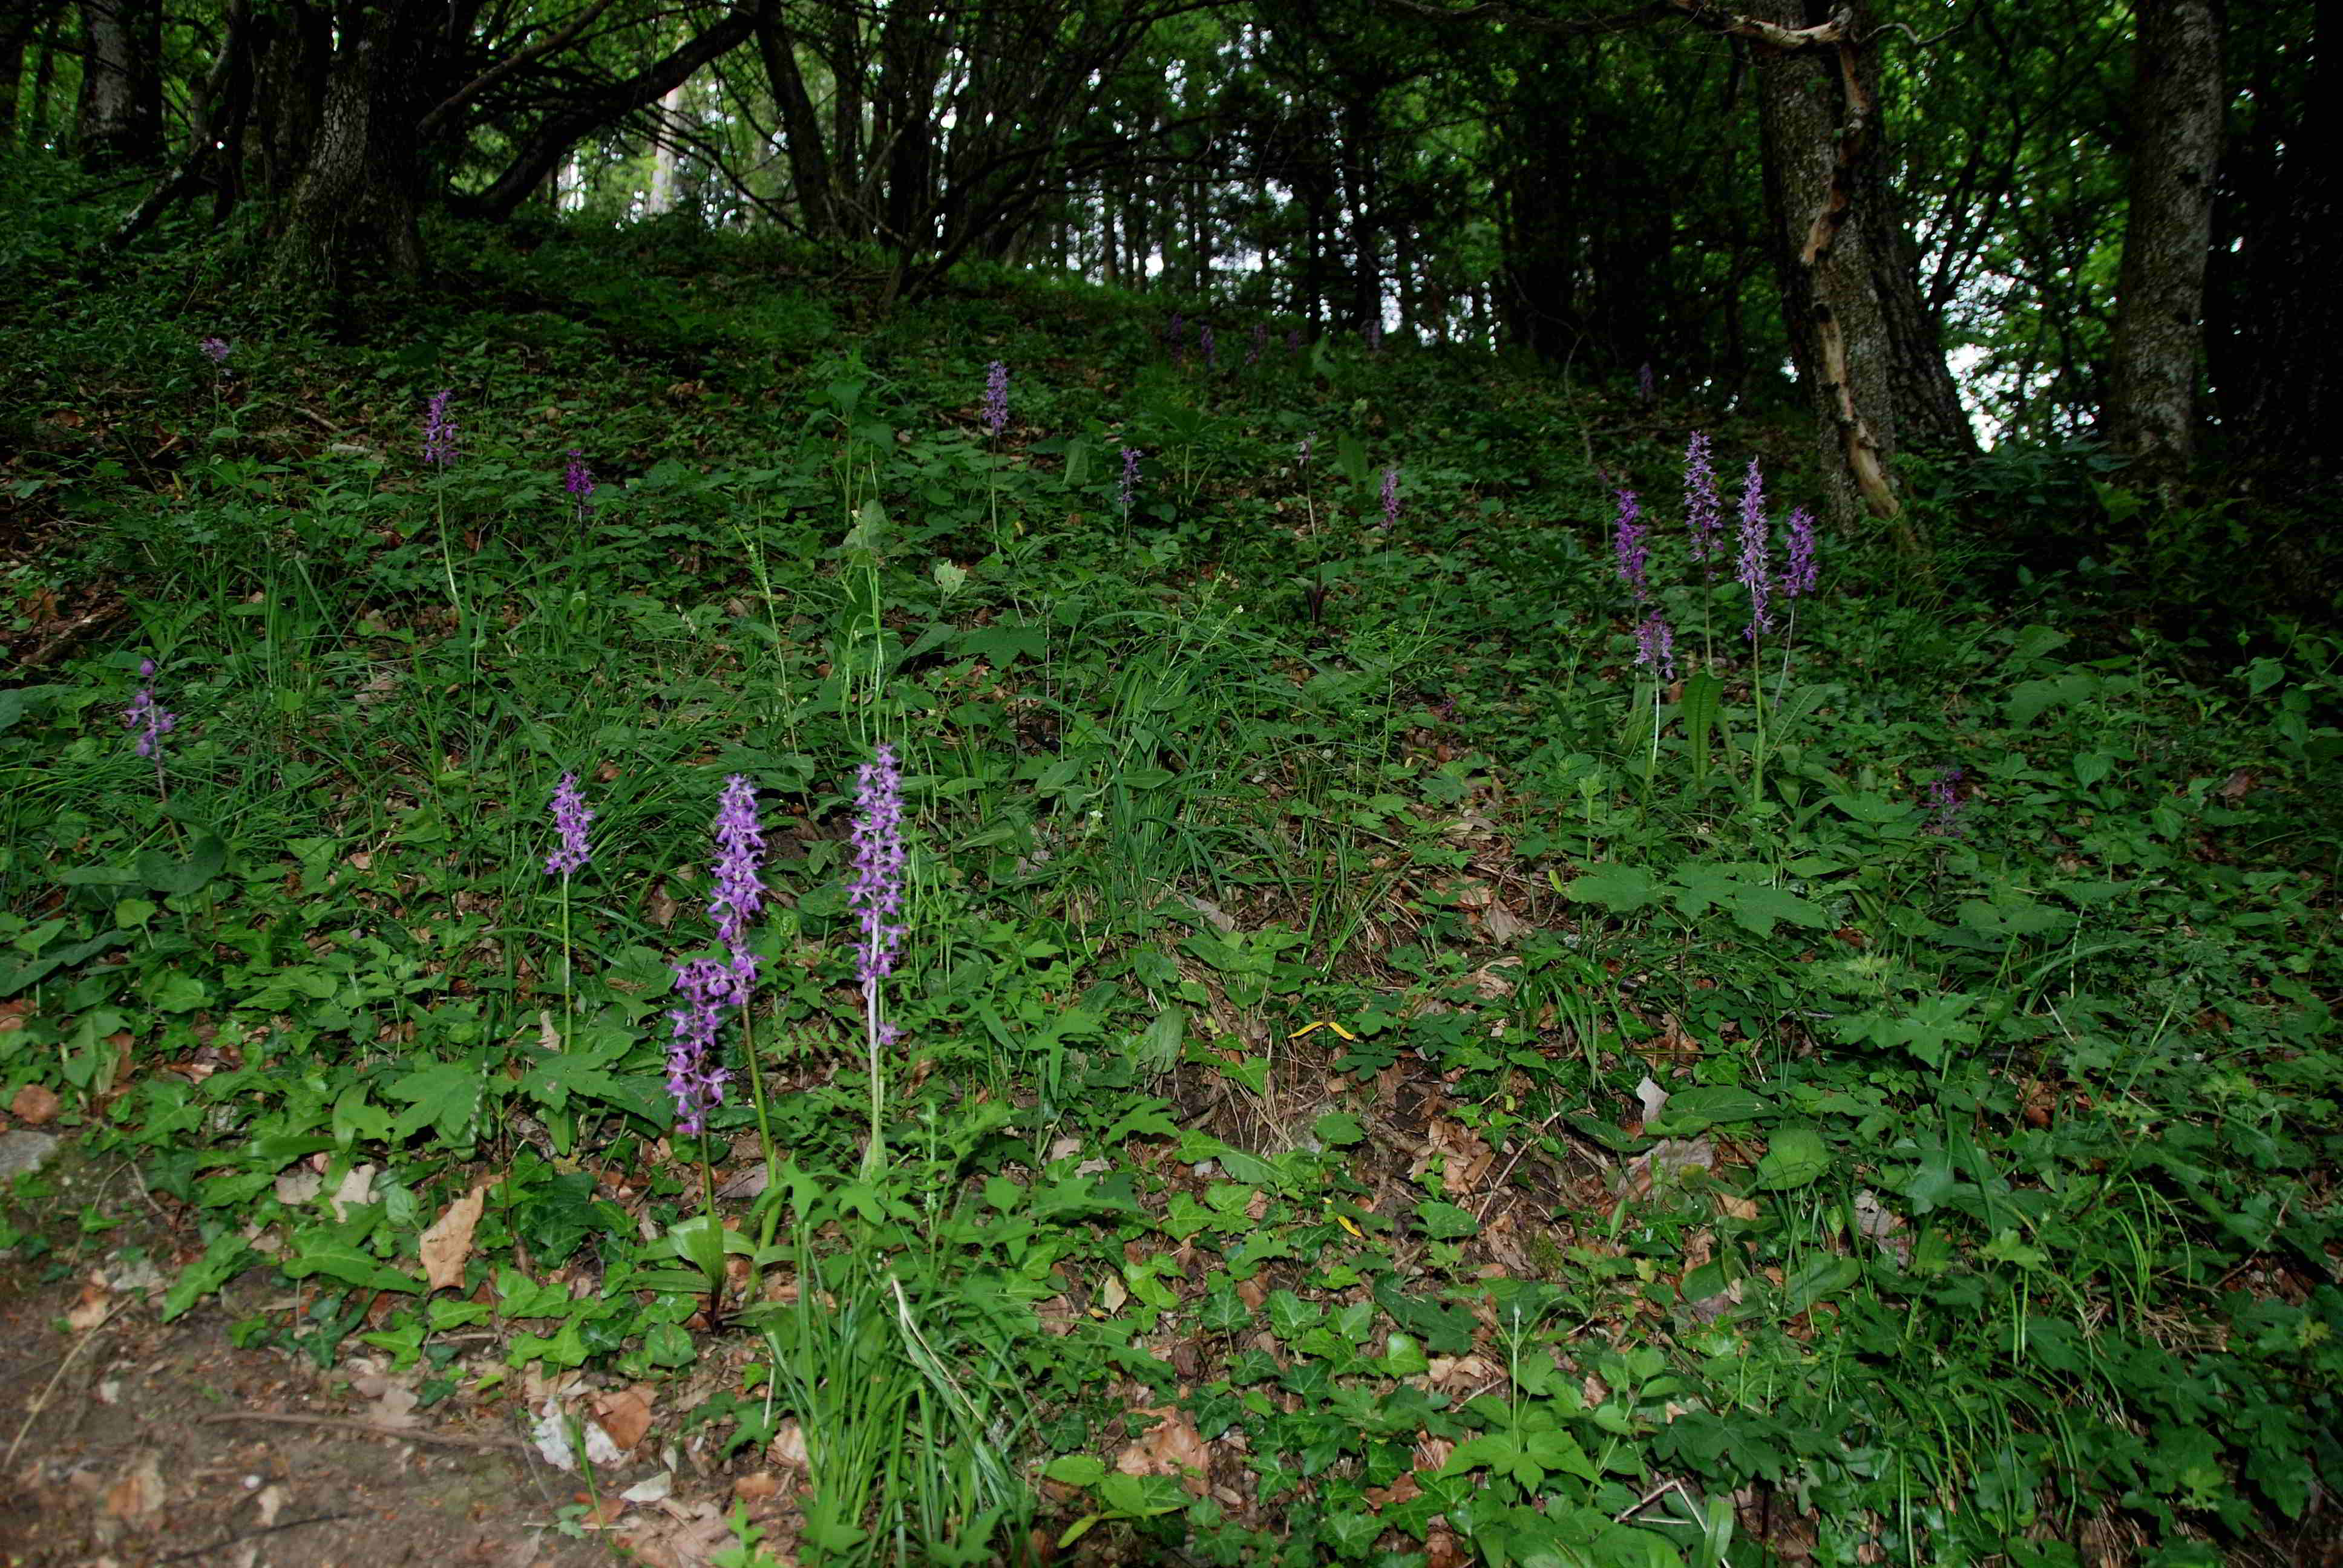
(2103, 218)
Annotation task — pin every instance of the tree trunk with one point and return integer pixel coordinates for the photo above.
(2177, 98)
(44, 76)
(663, 155)
(120, 116)
(800, 125)
(294, 54)
(1858, 330)
(16, 37)
(360, 191)
(2275, 368)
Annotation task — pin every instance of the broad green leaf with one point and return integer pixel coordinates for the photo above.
(1759, 909)
(1338, 1130)
(1076, 1469)
(1711, 1105)
(1617, 888)
(1404, 1357)
(1445, 1222)
(2029, 700)
(1702, 707)
(178, 877)
(1794, 1156)
(1867, 806)
(443, 1094)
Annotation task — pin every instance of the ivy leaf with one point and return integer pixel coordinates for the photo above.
(345, 1260)
(1290, 1317)
(221, 1262)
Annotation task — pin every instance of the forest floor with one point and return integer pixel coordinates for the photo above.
(138, 1442)
(1398, 1064)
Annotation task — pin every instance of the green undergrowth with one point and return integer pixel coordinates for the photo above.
(1383, 1079)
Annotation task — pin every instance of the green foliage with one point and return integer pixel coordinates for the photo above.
(1295, 917)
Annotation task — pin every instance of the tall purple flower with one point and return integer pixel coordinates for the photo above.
(739, 851)
(1301, 453)
(570, 815)
(578, 480)
(1756, 566)
(1631, 544)
(876, 891)
(996, 398)
(1292, 340)
(1391, 497)
(695, 1073)
(1643, 383)
(1702, 507)
(1130, 477)
(1173, 333)
(1656, 646)
(439, 431)
(1260, 342)
(147, 719)
(216, 349)
(1373, 335)
(1798, 577)
(1209, 347)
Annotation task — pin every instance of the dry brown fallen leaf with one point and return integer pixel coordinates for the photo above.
(1173, 1447)
(94, 1306)
(395, 1409)
(140, 1491)
(448, 1244)
(626, 1413)
(36, 1106)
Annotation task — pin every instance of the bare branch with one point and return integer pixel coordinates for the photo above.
(505, 67)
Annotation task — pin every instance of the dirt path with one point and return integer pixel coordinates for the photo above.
(130, 1443)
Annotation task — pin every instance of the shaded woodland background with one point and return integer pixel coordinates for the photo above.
(2066, 226)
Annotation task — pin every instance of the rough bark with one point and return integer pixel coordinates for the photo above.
(16, 33)
(801, 124)
(119, 120)
(293, 53)
(1861, 335)
(2177, 99)
(360, 193)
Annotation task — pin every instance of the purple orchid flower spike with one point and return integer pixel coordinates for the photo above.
(996, 398)
(571, 816)
(439, 431)
(1755, 574)
(1631, 542)
(1702, 506)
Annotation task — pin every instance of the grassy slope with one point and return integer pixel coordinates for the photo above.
(1988, 1210)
